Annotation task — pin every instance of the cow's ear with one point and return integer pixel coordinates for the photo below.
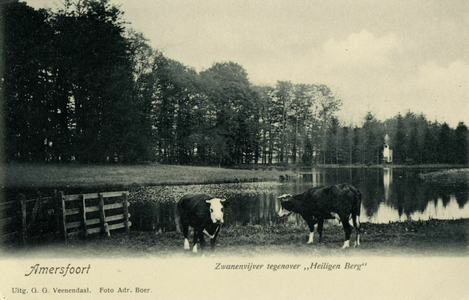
(208, 202)
(224, 202)
(284, 197)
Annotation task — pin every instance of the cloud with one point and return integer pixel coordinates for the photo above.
(439, 92)
(359, 52)
(364, 69)
(374, 73)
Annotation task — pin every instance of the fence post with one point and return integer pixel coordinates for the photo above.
(35, 215)
(57, 203)
(64, 214)
(102, 215)
(83, 215)
(126, 213)
(23, 218)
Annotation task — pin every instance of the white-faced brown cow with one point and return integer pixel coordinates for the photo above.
(342, 201)
(205, 214)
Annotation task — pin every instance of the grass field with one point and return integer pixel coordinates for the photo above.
(123, 176)
(426, 238)
(89, 176)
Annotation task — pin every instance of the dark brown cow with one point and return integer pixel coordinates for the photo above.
(342, 201)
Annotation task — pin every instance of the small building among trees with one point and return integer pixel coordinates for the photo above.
(387, 151)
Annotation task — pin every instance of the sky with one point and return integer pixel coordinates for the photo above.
(380, 56)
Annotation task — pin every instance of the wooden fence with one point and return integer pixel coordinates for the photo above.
(94, 213)
(10, 222)
(63, 215)
(39, 218)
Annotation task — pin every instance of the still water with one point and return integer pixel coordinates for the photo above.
(389, 195)
(397, 194)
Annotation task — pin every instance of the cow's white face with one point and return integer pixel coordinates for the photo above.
(284, 211)
(216, 210)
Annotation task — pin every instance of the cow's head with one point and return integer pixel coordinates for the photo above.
(286, 206)
(217, 209)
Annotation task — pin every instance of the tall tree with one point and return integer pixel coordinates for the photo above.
(301, 117)
(445, 145)
(345, 145)
(332, 142)
(399, 141)
(373, 139)
(28, 84)
(143, 58)
(95, 64)
(461, 145)
(328, 105)
(267, 121)
(235, 133)
(413, 145)
(430, 144)
(283, 99)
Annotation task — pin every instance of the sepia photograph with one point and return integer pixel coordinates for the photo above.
(235, 149)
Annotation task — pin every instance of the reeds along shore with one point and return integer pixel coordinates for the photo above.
(452, 176)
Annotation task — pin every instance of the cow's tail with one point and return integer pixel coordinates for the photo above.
(358, 203)
(356, 213)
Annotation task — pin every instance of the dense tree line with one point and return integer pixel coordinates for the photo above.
(80, 86)
(68, 85)
(413, 139)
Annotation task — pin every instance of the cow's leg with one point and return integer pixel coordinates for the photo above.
(348, 231)
(311, 222)
(185, 232)
(357, 225)
(214, 239)
(196, 236)
(201, 239)
(320, 228)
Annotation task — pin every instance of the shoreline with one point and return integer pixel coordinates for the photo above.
(112, 177)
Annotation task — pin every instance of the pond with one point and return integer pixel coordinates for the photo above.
(389, 195)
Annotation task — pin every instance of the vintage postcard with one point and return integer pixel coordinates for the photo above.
(234, 149)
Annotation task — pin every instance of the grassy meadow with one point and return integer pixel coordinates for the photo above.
(101, 176)
(89, 176)
(413, 238)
